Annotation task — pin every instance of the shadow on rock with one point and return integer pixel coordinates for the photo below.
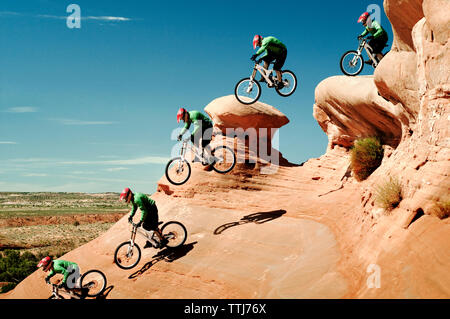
(105, 293)
(257, 218)
(167, 254)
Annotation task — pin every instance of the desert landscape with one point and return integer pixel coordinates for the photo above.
(282, 230)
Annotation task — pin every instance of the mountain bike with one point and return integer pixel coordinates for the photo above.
(128, 254)
(178, 169)
(352, 62)
(248, 90)
(92, 284)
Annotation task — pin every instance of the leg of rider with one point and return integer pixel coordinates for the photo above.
(266, 66)
(279, 64)
(207, 136)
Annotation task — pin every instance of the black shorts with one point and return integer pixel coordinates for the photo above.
(279, 60)
(205, 134)
(151, 220)
(378, 44)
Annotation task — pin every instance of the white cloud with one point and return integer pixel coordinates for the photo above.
(34, 175)
(6, 142)
(133, 161)
(80, 122)
(116, 169)
(22, 109)
(106, 18)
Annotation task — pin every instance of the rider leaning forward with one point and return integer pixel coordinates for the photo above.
(274, 50)
(378, 37)
(64, 267)
(203, 129)
(149, 216)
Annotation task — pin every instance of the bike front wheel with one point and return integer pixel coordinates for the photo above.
(127, 255)
(175, 233)
(290, 83)
(94, 281)
(224, 159)
(178, 171)
(247, 91)
(351, 63)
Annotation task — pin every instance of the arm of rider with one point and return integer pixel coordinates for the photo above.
(362, 35)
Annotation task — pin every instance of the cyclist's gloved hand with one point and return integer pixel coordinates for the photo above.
(360, 37)
(47, 281)
(139, 224)
(179, 137)
(130, 219)
(253, 58)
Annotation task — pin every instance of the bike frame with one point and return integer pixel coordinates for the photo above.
(364, 45)
(264, 73)
(55, 292)
(141, 232)
(183, 152)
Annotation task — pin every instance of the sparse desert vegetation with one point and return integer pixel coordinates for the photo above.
(389, 194)
(366, 157)
(55, 222)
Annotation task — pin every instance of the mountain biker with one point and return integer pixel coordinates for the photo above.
(378, 38)
(149, 216)
(203, 128)
(59, 266)
(274, 50)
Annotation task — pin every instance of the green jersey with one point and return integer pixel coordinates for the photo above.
(199, 120)
(145, 204)
(375, 29)
(272, 46)
(62, 267)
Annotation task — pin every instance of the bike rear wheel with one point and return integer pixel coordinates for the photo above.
(224, 159)
(175, 233)
(178, 171)
(127, 256)
(247, 91)
(290, 83)
(94, 281)
(351, 63)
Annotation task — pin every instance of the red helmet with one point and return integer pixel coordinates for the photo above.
(256, 40)
(363, 17)
(180, 114)
(45, 263)
(126, 192)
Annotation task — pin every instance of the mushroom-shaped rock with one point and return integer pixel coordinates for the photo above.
(348, 108)
(251, 126)
(228, 113)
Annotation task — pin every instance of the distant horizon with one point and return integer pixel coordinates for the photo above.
(93, 109)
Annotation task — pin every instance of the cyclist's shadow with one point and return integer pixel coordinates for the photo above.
(167, 254)
(257, 218)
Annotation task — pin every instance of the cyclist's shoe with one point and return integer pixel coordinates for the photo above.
(262, 80)
(369, 62)
(148, 244)
(279, 85)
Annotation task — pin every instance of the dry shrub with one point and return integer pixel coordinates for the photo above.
(366, 157)
(389, 194)
(442, 208)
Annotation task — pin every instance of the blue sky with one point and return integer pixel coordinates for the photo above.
(92, 109)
